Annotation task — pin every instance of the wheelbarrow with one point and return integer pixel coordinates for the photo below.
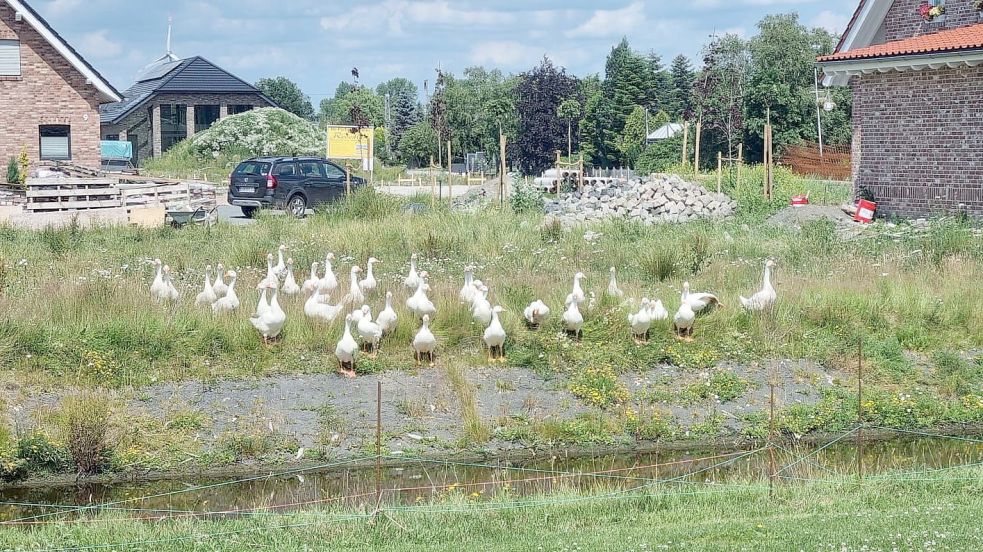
(179, 217)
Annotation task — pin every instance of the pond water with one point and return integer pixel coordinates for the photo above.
(413, 482)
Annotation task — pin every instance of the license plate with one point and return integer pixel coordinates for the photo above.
(247, 190)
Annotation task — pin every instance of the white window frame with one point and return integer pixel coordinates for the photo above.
(51, 157)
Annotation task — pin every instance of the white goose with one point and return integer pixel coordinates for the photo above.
(476, 294)
(271, 279)
(419, 303)
(207, 295)
(577, 295)
(269, 320)
(482, 311)
(369, 284)
(317, 308)
(657, 311)
(641, 322)
(613, 289)
(329, 282)
(683, 321)
(346, 349)
(170, 292)
(230, 301)
(157, 288)
(495, 337)
(220, 287)
(536, 313)
(263, 306)
(699, 301)
(468, 290)
(280, 269)
(311, 283)
(766, 297)
(290, 286)
(412, 279)
(369, 331)
(573, 320)
(424, 343)
(387, 318)
(354, 295)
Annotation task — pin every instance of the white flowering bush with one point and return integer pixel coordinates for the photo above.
(266, 131)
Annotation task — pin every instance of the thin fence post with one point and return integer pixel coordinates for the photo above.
(740, 160)
(773, 469)
(720, 170)
(378, 444)
(696, 149)
(685, 142)
(860, 408)
(450, 180)
(501, 178)
(433, 185)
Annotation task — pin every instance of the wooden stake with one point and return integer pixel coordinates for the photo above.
(501, 177)
(740, 160)
(685, 142)
(378, 443)
(348, 180)
(696, 148)
(771, 440)
(860, 408)
(450, 180)
(433, 185)
(720, 170)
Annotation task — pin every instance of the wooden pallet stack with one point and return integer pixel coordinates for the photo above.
(46, 195)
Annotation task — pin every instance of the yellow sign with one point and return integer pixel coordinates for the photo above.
(348, 142)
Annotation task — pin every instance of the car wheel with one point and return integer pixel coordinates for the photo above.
(297, 206)
(248, 212)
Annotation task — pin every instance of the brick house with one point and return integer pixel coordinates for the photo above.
(49, 95)
(172, 100)
(917, 104)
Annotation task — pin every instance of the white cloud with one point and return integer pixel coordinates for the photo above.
(504, 53)
(391, 15)
(833, 22)
(611, 22)
(713, 4)
(58, 7)
(97, 45)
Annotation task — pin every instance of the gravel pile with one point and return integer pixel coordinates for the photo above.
(654, 200)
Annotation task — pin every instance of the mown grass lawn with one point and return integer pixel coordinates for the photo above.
(918, 511)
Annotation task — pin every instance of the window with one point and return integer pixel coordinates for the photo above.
(334, 171)
(239, 108)
(311, 169)
(9, 58)
(205, 116)
(112, 137)
(56, 142)
(173, 125)
(286, 169)
(253, 168)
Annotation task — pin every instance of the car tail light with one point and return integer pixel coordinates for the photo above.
(271, 182)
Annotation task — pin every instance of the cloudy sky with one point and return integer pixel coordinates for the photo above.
(317, 42)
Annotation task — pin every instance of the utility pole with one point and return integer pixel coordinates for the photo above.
(819, 116)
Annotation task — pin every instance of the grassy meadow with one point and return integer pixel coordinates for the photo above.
(76, 311)
(930, 511)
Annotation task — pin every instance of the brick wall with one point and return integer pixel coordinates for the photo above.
(137, 124)
(49, 91)
(902, 20)
(920, 140)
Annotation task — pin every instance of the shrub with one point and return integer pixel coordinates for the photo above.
(525, 198)
(660, 156)
(41, 455)
(86, 423)
(13, 172)
(267, 131)
(663, 263)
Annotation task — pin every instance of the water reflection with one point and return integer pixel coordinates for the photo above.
(421, 482)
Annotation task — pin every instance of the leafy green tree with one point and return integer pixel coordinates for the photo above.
(404, 107)
(418, 145)
(350, 99)
(541, 133)
(286, 94)
(632, 139)
(569, 111)
(660, 156)
(681, 103)
(720, 94)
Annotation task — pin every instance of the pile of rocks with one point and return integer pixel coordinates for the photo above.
(653, 200)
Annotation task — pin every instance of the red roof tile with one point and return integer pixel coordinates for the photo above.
(963, 38)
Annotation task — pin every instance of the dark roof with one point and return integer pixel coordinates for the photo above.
(194, 75)
(68, 46)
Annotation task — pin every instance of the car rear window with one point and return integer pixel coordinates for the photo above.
(253, 168)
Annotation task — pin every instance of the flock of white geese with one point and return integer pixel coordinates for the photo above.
(269, 318)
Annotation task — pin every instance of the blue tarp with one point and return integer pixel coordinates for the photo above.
(116, 149)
